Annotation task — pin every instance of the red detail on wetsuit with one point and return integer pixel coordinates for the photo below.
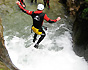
(21, 2)
(27, 11)
(48, 19)
(38, 12)
(47, 1)
(49, 6)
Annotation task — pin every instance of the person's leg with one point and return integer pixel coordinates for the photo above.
(31, 1)
(40, 39)
(44, 3)
(35, 35)
(48, 4)
(35, 1)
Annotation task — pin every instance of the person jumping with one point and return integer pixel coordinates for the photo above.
(38, 18)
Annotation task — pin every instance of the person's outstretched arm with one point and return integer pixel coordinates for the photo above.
(24, 10)
(22, 3)
(50, 20)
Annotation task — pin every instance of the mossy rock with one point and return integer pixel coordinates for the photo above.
(3, 66)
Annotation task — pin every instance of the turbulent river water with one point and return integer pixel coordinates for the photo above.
(55, 51)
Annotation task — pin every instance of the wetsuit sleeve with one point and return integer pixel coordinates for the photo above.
(25, 11)
(49, 20)
(21, 1)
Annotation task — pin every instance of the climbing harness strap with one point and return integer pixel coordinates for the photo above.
(35, 30)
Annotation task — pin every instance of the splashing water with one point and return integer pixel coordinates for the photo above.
(55, 53)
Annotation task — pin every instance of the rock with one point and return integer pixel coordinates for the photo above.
(4, 56)
(3, 66)
(80, 26)
(1, 1)
(80, 34)
(72, 6)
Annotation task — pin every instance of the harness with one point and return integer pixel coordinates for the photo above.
(35, 30)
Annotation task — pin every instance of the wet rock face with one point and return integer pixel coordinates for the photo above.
(80, 26)
(2, 65)
(6, 6)
(72, 6)
(63, 1)
(80, 36)
(80, 31)
(5, 61)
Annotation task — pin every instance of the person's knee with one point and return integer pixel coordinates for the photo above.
(43, 35)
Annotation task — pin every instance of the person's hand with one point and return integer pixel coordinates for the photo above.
(58, 18)
(18, 3)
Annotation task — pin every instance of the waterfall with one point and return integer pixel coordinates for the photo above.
(55, 51)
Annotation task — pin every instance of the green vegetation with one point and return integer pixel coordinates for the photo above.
(1, 69)
(3, 66)
(86, 0)
(84, 13)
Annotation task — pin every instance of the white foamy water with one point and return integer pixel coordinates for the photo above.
(46, 58)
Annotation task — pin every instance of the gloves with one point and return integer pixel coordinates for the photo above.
(58, 18)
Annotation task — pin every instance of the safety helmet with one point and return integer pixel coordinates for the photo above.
(40, 7)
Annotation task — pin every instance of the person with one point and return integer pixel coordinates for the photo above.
(38, 17)
(46, 1)
(35, 1)
(22, 3)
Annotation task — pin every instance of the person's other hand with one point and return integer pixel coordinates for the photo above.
(58, 18)
(18, 3)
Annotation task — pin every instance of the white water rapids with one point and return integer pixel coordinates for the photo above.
(55, 53)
